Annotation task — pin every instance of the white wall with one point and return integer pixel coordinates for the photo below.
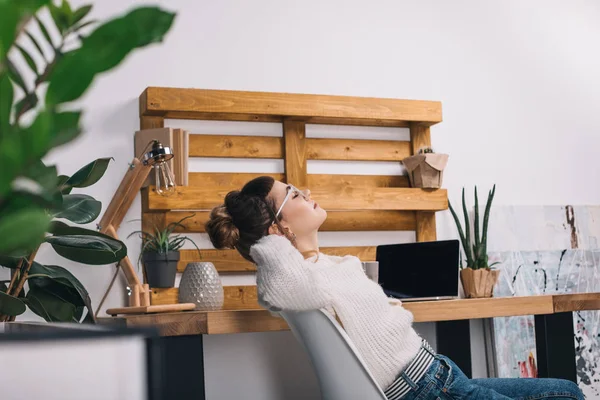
(518, 82)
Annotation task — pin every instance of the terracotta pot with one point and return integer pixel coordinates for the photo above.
(479, 283)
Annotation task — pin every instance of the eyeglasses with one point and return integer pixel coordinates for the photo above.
(291, 189)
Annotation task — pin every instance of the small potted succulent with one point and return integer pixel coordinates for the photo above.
(478, 278)
(160, 253)
(426, 168)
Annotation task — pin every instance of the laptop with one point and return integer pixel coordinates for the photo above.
(420, 271)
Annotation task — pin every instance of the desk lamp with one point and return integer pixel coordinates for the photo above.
(156, 158)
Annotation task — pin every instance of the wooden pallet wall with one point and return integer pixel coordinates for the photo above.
(353, 202)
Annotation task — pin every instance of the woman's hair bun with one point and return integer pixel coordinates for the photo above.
(221, 230)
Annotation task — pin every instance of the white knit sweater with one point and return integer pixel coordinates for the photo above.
(382, 332)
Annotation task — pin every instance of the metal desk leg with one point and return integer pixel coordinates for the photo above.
(454, 342)
(555, 346)
(176, 368)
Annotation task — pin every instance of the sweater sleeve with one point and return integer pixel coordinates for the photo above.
(285, 281)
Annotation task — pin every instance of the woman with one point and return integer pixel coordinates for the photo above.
(275, 225)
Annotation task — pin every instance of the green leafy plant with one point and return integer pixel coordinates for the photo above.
(475, 248)
(34, 200)
(162, 240)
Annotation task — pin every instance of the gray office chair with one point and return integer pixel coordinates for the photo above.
(341, 371)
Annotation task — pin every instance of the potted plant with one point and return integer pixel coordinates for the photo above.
(426, 168)
(160, 253)
(63, 55)
(478, 278)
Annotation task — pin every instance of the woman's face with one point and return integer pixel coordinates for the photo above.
(301, 214)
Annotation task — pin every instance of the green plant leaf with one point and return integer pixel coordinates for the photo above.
(67, 127)
(66, 8)
(29, 101)
(59, 280)
(84, 24)
(45, 176)
(45, 32)
(22, 231)
(104, 49)
(11, 305)
(88, 249)
(28, 59)
(50, 306)
(36, 44)
(486, 217)
(13, 15)
(80, 14)
(467, 243)
(6, 100)
(62, 184)
(59, 228)
(14, 75)
(476, 222)
(79, 208)
(89, 174)
(9, 262)
(60, 18)
(20, 149)
(22, 200)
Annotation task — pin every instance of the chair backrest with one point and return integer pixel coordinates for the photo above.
(339, 367)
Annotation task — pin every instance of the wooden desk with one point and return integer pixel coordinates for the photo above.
(244, 321)
(553, 324)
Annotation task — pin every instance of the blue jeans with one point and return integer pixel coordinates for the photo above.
(445, 381)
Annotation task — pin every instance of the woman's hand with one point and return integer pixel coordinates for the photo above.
(395, 302)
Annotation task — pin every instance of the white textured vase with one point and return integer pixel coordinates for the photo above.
(201, 285)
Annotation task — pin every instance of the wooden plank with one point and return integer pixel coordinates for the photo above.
(381, 199)
(222, 322)
(164, 100)
(151, 122)
(326, 181)
(357, 150)
(419, 137)
(576, 302)
(229, 146)
(364, 253)
(168, 324)
(150, 221)
(240, 298)
(357, 122)
(280, 119)
(235, 297)
(452, 310)
(151, 309)
(230, 261)
(228, 180)
(425, 226)
(294, 135)
(225, 261)
(159, 296)
(235, 181)
(222, 117)
(205, 198)
(122, 195)
(336, 221)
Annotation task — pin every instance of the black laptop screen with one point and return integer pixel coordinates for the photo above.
(415, 270)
